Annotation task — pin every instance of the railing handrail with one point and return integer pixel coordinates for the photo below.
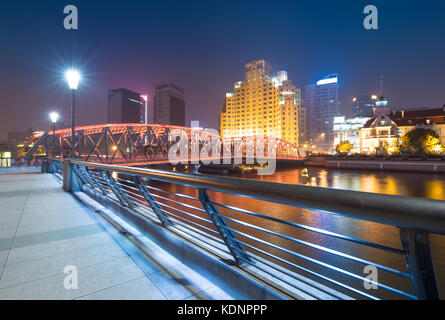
(400, 211)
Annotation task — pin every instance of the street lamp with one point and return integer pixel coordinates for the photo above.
(54, 116)
(73, 77)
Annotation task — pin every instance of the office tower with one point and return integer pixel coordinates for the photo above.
(124, 106)
(363, 105)
(169, 105)
(322, 105)
(262, 105)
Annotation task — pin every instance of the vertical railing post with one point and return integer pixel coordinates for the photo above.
(237, 251)
(152, 202)
(416, 244)
(71, 182)
(115, 187)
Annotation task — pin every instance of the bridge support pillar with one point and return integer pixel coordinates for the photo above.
(71, 182)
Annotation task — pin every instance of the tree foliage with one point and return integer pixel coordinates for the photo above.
(421, 140)
(344, 147)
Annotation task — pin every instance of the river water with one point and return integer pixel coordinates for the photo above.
(406, 184)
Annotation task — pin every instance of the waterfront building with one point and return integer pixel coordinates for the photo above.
(322, 104)
(124, 106)
(348, 130)
(382, 133)
(263, 105)
(169, 105)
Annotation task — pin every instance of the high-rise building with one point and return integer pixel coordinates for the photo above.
(322, 105)
(169, 105)
(262, 105)
(363, 106)
(124, 106)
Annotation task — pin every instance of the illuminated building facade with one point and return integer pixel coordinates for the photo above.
(169, 105)
(124, 106)
(348, 129)
(322, 105)
(263, 105)
(5, 155)
(382, 133)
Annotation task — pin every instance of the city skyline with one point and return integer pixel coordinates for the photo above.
(222, 151)
(33, 77)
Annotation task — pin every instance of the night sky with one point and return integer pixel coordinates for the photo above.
(203, 46)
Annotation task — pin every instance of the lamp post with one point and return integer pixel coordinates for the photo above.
(54, 116)
(73, 77)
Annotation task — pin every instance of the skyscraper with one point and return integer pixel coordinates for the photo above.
(363, 106)
(322, 105)
(169, 105)
(262, 105)
(124, 106)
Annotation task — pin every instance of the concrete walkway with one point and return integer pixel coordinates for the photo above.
(45, 231)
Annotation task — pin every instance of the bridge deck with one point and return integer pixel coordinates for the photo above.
(44, 229)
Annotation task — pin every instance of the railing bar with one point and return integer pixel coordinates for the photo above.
(179, 203)
(324, 264)
(131, 192)
(184, 212)
(103, 184)
(126, 185)
(318, 247)
(255, 257)
(129, 181)
(198, 225)
(316, 230)
(138, 200)
(173, 193)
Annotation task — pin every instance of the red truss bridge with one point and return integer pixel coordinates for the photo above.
(136, 144)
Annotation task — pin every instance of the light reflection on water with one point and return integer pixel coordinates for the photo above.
(408, 184)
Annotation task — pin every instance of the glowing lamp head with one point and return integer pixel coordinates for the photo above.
(73, 78)
(374, 97)
(144, 97)
(54, 116)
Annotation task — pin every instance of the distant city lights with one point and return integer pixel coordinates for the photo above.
(327, 81)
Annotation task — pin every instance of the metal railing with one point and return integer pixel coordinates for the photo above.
(288, 253)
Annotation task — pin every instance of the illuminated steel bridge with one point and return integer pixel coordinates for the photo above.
(135, 144)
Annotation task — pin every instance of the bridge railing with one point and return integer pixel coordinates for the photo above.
(268, 229)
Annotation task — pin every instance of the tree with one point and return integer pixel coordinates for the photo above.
(344, 147)
(421, 140)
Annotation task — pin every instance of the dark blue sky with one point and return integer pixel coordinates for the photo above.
(203, 46)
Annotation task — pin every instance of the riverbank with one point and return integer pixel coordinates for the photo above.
(425, 166)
